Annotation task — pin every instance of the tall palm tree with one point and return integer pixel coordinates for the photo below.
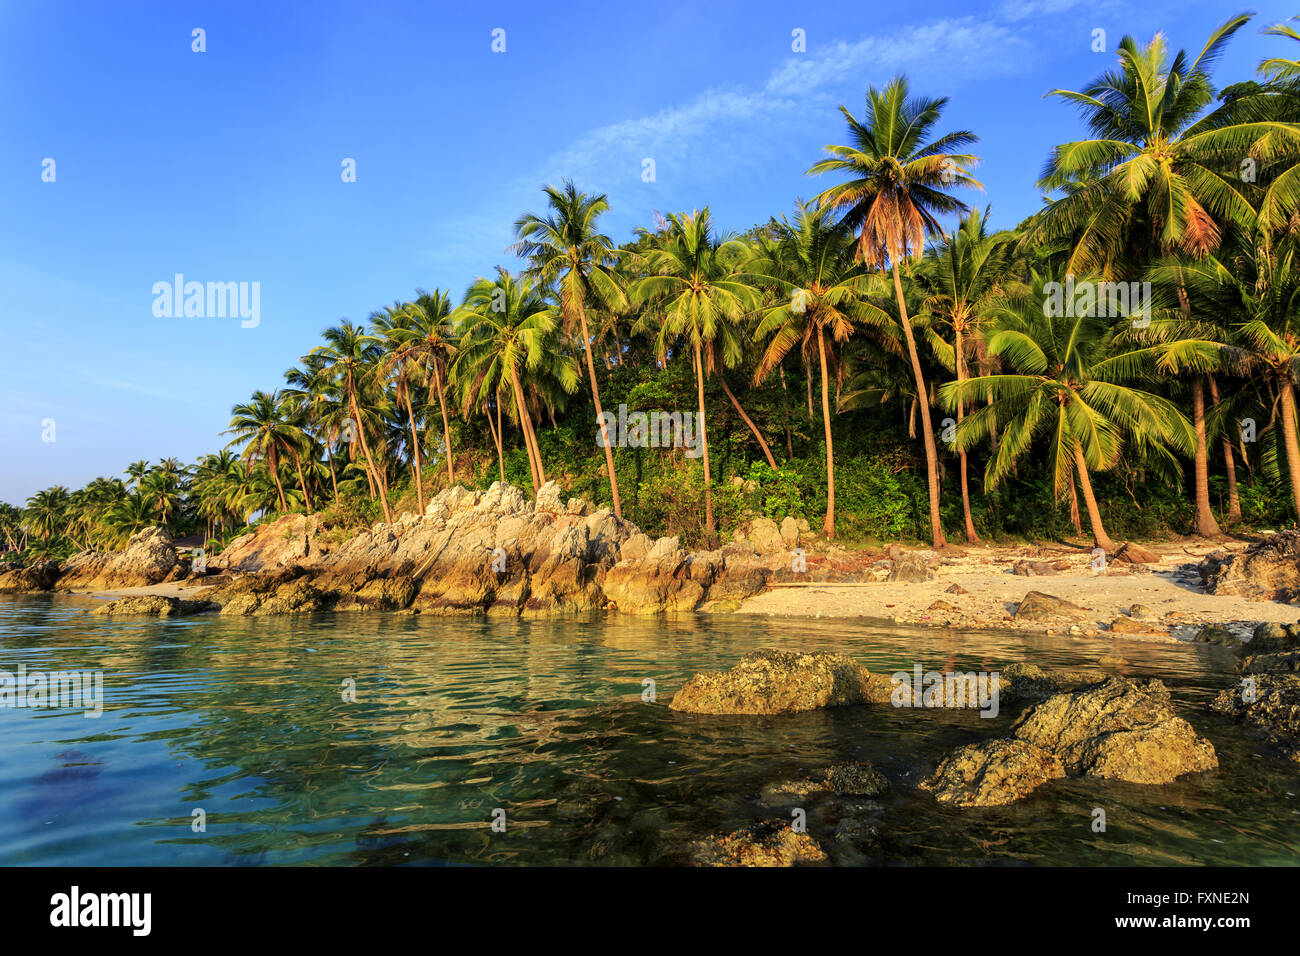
(1066, 385)
(260, 426)
(963, 277)
(393, 328)
(564, 248)
(507, 338)
(821, 299)
(349, 357)
(46, 512)
(897, 187)
(693, 284)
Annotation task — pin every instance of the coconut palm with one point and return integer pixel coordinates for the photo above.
(508, 337)
(821, 300)
(348, 358)
(963, 277)
(1065, 384)
(564, 248)
(46, 513)
(692, 283)
(898, 177)
(261, 427)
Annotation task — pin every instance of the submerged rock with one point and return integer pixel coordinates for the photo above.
(1269, 703)
(992, 773)
(763, 844)
(856, 779)
(782, 682)
(155, 605)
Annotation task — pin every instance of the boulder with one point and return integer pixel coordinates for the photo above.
(1131, 553)
(1040, 606)
(1268, 570)
(765, 844)
(37, 576)
(1120, 729)
(152, 605)
(915, 567)
(763, 533)
(782, 682)
(149, 558)
(1270, 704)
(992, 773)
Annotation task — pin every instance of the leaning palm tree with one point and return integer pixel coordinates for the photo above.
(897, 188)
(821, 300)
(564, 248)
(692, 284)
(963, 277)
(508, 337)
(1066, 385)
(349, 358)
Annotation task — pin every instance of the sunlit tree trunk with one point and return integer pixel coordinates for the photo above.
(828, 524)
(927, 428)
(1206, 526)
(1099, 536)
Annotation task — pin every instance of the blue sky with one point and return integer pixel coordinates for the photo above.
(225, 165)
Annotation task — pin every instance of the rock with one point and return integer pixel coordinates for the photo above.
(955, 589)
(781, 682)
(992, 773)
(1131, 553)
(148, 558)
(763, 534)
(1121, 729)
(1270, 704)
(915, 566)
(1032, 568)
(790, 793)
(1025, 682)
(1112, 660)
(764, 844)
(1140, 612)
(1039, 606)
(856, 779)
(1268, 570)
(944, 608)
(156, 605)
(1272, 637)
(38, 576)
(1127, 625)
(789, 532)
(289, 541)
(1216, 634)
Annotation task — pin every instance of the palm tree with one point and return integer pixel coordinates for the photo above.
(898, 177)
(693, 285)
(821, 300)
(260, 425)
(564, 248)
(137, 470)
(1066, 385)
(46, 512)
(963, 278)
(508, 339)
(349, 358)
(393, 328)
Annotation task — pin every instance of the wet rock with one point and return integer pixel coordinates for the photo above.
(1268, 570)
(152, 605)
(764, 844)
(1112, 660)
(1268, 703)
(1020, 682)
(1128, 625)
(38, 576)
(1040, 606)
(782, 682)
(1269, 638)
(857, 779)
(790, 793)
(1217, 634)
(992, 773)
(1121, 729)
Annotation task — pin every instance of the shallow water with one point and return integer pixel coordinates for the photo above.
(455, 718)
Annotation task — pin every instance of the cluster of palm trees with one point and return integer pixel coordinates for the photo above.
(885, 291)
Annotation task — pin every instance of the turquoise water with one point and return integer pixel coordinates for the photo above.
(455, 718)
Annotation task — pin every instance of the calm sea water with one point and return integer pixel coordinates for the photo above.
(455, 718)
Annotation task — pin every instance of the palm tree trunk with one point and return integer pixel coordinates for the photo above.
(496, 437)
(365, 448)
(704, 442)
(415, 451)
(785, 407)
(600, 412)
(1289, 439)
(334, 482)
(807, 380)
(446, 428)
(971, 536)
(525, 424)
(275, 473)
(1099, 536)
(1229, 463)
(927, 428)
(828, 525)
(767, 452)
(1206, 526)
(302, 482)
(1074, 509)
